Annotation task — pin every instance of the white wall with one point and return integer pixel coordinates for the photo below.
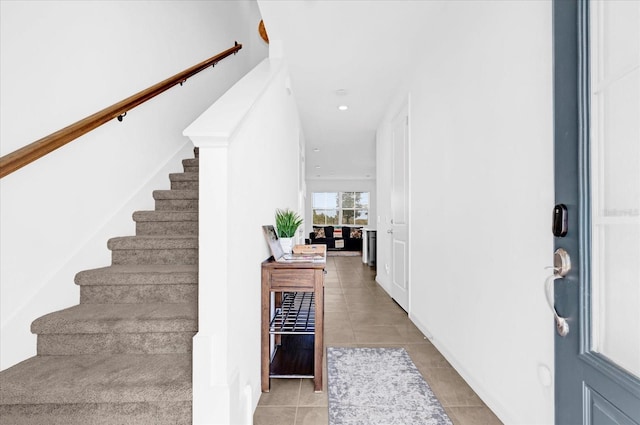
(481, 196)
(336, 185)
(61, 61)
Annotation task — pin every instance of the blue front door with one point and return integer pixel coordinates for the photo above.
(597, 178)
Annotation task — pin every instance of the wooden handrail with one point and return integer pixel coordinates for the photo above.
(29, 153)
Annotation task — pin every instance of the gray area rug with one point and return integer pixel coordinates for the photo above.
(379, 386)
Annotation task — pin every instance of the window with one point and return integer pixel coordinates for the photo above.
(340, 208)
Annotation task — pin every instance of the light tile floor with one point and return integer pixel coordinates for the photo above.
(359, 313)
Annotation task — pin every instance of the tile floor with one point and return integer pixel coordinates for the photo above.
(359, 313)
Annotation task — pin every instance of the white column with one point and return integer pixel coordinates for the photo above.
(211, 392)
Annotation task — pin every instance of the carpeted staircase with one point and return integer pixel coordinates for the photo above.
(123, 355)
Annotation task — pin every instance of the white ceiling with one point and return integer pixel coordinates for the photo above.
(362, 47)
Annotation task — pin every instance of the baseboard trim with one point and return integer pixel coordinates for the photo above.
(496, 406)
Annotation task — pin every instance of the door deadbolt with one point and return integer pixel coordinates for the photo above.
(561, 262)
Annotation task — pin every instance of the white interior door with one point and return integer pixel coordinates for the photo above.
(399, 209)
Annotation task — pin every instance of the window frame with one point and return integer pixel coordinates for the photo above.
(340, 209)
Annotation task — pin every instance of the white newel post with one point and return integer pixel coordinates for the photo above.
(211, 392)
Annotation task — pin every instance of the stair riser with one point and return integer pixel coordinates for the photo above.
(177, 205)
(154, 256)
(114, 343)
(169, 200)
(138, 294)
(184, 185)
(191, 169)
(113, 276)
(167, 228)
(191, 162)
(166, 413)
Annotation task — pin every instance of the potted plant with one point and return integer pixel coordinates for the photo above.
(287, 223)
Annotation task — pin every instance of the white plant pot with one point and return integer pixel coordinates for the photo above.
(287, 245)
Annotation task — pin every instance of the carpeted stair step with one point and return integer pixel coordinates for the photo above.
(191, 165)
(136, 284)
(184, 181)
(166, 222)
(117, 328)
(154, 250)
(118, 318)
(98, 390)
(176, 200)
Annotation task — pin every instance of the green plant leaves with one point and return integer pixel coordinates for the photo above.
(287, 222)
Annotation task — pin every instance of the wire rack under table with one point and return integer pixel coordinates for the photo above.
(296, 315)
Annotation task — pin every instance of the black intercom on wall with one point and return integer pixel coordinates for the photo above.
(560, 221)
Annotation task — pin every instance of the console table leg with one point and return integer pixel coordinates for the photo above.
(266, 309)
(318, 340)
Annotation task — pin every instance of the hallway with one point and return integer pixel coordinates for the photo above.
(358, 313)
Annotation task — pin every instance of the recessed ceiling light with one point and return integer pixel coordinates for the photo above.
(316, 149)
(343, 107)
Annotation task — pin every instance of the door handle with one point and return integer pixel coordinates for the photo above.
(561, 266)
(390, 231)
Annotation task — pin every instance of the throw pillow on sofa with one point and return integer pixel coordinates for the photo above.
(328, 231)
(319, 232)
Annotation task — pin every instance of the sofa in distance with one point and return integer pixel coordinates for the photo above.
(338, 238)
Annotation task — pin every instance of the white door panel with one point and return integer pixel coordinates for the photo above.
(400, 209)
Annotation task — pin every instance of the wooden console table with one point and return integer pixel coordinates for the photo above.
(298, 316)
